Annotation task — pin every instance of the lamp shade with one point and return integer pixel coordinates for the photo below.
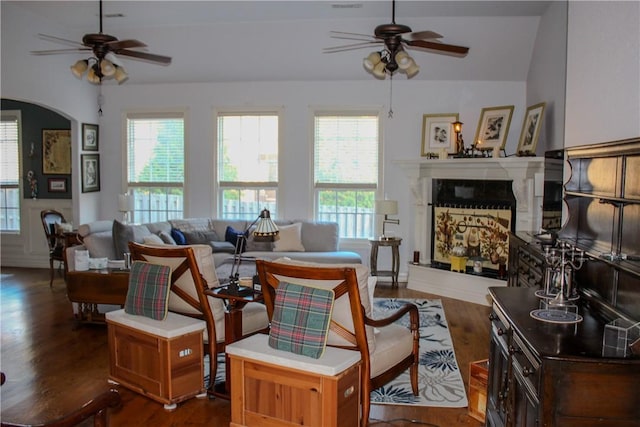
(412, 70)
(79, 68)
(403, 60)
(107, 68)
(371, 61)
(125, 202)
(386, 207)
(120, 74)
(265, 227)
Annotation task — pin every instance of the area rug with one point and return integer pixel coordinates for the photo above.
(439, 379)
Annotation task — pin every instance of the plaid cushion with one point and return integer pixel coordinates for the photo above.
(148, 293)
(301, 316)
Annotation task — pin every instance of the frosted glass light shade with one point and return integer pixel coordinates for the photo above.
(403, 60)
(79, 68)
(386, 207)
(120, 74)
(107, 68)
(412, 70)
(371, 61)
(379, 70)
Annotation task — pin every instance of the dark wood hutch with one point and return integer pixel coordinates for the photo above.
(547, 374)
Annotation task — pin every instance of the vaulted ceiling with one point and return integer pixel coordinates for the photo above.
(219, 41)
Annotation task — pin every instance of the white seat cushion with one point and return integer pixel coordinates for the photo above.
(393, 343)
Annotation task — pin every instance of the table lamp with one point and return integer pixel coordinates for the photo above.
(386, 208)
(266, 231)
(125, 205)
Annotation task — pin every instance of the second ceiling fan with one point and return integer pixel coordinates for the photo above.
(393, 57)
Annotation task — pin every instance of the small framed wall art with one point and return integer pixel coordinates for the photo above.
(530, 130)
(90, 172)
(57, 185)
(437, 133)
(56, 152)
(493, 127)
(89, 137)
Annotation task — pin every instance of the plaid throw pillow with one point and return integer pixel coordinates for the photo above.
(148, 293)
(301, 316)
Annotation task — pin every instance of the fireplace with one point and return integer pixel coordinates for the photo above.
(491, 190)
(473, 216)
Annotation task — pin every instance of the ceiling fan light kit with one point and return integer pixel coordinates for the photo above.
(98, 67)
(393, 56)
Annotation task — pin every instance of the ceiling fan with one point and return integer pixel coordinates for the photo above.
(104, 48)
(393, 55)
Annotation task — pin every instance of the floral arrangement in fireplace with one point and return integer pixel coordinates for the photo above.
(483, 232)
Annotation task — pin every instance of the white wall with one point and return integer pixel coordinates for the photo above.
(603, 72)
(547, 76)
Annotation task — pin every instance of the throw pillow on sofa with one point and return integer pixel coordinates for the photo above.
(200, 237)
(166, 238)
(178, 236)
(290, 239)
(123, 234)
(231, 236)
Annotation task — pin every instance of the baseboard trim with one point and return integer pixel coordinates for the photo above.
(464, 287)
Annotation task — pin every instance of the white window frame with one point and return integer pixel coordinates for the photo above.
(346, 111)
(239, 185)
(6, 116)
(155, 114)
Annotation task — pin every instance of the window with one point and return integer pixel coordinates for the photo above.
(10, 171)
(247, 164)
(155, 165)
(346, 170)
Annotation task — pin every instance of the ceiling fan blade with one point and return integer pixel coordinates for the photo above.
(125, 44)
(425, 35)
(60, 40)
(349, 47)
(57, 51)
(144, 55)
(442, 47)
(336, 34)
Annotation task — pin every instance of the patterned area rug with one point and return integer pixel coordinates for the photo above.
(439, 378)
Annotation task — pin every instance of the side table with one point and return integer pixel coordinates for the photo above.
(232, 321)
(92, 287)
(395, 259)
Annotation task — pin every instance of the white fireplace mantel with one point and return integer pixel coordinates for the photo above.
(526, 174)
(527, 177)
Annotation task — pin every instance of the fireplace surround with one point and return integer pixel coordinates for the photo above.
(525, 175)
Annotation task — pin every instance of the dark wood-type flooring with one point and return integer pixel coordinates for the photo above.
(52, 368)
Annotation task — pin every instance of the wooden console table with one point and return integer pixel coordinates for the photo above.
(92, 287)
(395, 258)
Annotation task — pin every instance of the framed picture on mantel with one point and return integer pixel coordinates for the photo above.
(530, 130)
(438, 134)
(493, 127)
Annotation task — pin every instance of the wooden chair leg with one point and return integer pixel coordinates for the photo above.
(51, 272)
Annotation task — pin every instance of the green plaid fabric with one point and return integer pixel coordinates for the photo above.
(148, 293)
(301, 316)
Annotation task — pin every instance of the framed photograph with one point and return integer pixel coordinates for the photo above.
(89, 137)
(438, 134)
(90, 172)
(57, 185)
(493, 127)
(56, 152)
(531, 129)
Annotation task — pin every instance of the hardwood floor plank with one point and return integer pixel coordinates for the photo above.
(53, 368)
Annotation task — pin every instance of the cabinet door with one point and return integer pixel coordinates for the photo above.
(525, 404)
(498, 374)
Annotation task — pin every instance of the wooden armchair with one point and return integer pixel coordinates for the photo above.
(56, 246)
(386, 352)
(193, 271)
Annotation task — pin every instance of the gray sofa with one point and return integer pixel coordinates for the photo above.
(299, 240)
